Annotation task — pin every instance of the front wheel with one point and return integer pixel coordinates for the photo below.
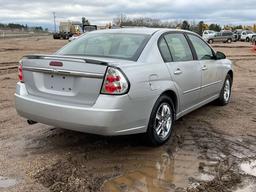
(247, 39)
(161, 121)
(225, 92)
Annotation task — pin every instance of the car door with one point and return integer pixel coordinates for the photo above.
(243, 35)
(210, 67)
(218, 37)
(184, 70)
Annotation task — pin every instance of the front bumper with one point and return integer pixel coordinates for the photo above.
(108, 116)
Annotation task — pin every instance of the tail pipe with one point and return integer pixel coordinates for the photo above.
(31, 122)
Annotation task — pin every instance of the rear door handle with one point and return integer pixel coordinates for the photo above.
(177, 72)
(204, 68)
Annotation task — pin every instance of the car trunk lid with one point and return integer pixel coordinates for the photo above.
(76, 80)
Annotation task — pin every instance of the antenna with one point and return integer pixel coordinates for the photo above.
(54, 20)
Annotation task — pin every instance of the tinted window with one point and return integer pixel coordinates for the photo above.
(179, 47)
(203, 51)
(164, 50)
(124, 46)
(227, 34)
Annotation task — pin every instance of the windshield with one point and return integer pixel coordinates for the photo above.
(113, 45)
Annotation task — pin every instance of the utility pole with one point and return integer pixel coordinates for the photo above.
(54, 20)
(121, 19)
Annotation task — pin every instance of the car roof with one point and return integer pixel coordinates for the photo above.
(138, 30)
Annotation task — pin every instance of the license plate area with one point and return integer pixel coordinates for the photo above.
(61, 83)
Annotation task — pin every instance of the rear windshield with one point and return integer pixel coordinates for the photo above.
(113, 45)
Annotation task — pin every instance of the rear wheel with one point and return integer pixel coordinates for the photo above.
(161, 121)
(225, 92)
(229, 40)
(247, 39)
(210, 41)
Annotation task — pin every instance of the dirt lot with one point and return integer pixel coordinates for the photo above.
(211, 150)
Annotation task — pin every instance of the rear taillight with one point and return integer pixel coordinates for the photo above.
(115, 82)
(20, 72)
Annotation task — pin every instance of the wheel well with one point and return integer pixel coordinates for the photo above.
(173, 96)
(231, 75)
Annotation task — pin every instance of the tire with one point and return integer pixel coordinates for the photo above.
(210, 41)
(229, 41)
(247, 39)
(163, 122)
(225, 92)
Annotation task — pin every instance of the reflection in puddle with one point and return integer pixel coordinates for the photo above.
(248, 188)
(249, 167)
(153, 176)
(159, 175)
(6, 182)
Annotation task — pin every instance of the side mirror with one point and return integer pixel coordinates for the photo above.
(219, 55)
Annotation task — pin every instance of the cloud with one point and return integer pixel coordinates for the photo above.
(100, 12)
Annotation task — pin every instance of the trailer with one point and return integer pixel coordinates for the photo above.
(69, 28)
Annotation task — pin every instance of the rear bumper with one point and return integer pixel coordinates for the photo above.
(108, 116)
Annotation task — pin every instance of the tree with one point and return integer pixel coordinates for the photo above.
(84, 22)
(200, 28)
(254, 28)
(215, 27)
(185, 25)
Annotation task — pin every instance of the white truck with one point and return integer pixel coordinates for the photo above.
(247, 35)
(207, 34)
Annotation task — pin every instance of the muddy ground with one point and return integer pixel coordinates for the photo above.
(213, 149)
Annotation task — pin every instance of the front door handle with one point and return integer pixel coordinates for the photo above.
(204, 68)
(177, 72)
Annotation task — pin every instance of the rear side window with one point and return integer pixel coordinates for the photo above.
(203, 51)
(179, 47)
(164, 50)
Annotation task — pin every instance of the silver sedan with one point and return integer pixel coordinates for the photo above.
(123, 81)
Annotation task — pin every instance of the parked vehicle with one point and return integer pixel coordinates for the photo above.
(69, 29)
(237, 34)
(223, 36)
(207, 34)
(247, 35)
(123, 81)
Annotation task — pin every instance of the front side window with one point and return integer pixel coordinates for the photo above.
(113, 45)
(203, 51)
(179, 47)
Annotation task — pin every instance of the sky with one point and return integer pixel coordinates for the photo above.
(39, 12)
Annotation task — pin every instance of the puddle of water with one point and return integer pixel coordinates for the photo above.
(154, 175)
(7, 182)
(248, 188)
(160, 174)
(249, 167)
(205, 177)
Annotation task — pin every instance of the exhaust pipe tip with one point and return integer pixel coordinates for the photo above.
(31, 122)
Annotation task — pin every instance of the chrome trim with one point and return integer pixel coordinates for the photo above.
(64, 72)
(191, 90)
(207, 85)
(204, 86)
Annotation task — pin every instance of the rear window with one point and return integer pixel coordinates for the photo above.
(113, 45)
